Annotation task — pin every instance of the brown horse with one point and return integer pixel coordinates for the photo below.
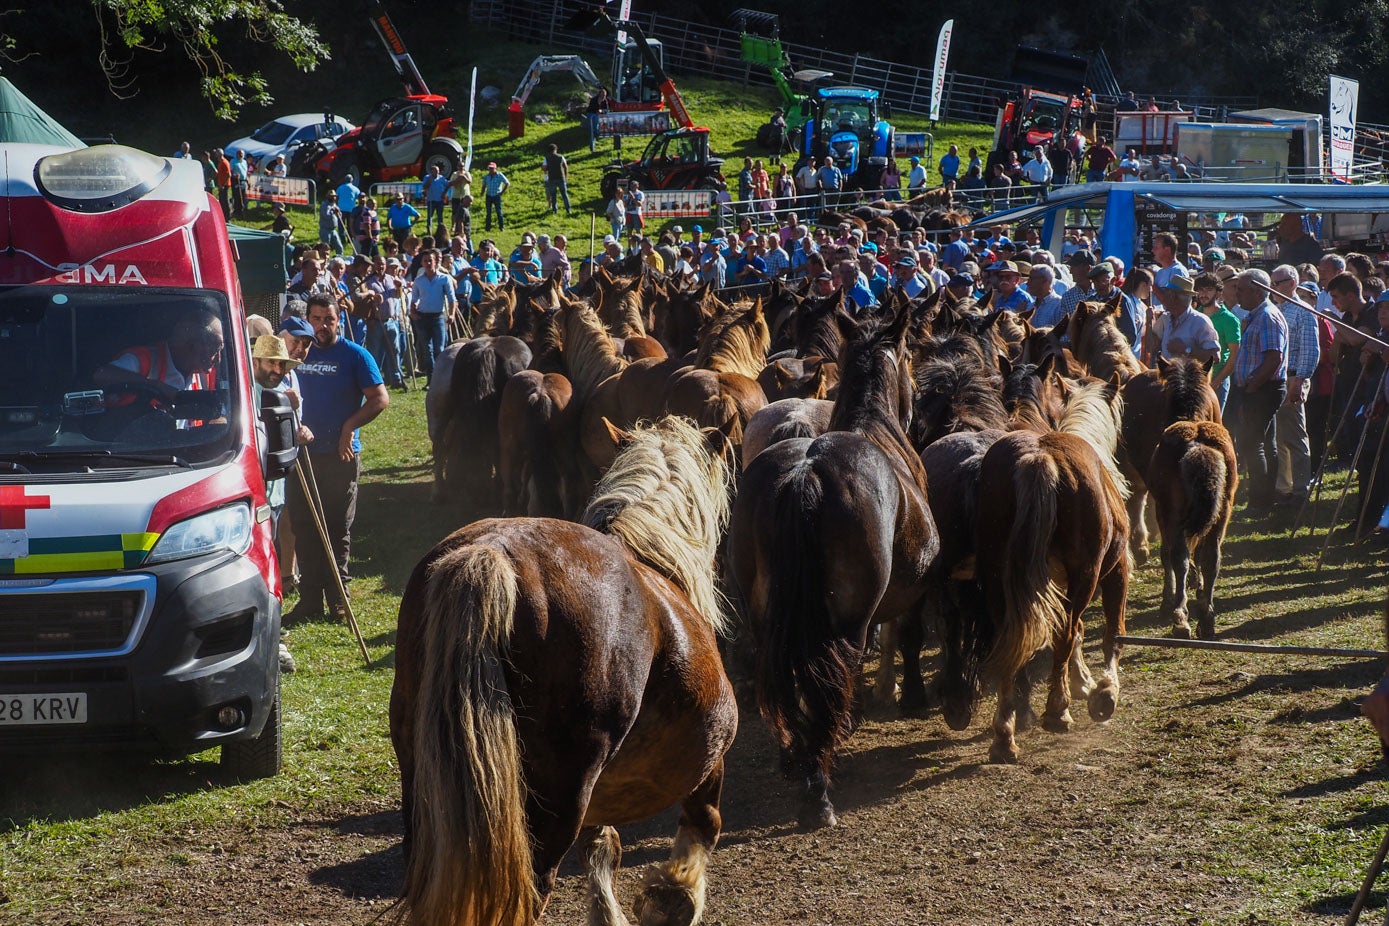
(1097, 343)
(555, 680)
(829, 538)
(720, 390)
(795, 378)
(467, 447)
(785, 419)
(1192, 477)
(538, 429)
(680, 314)
(1051, 530)
(620, 305)
(1175, 390)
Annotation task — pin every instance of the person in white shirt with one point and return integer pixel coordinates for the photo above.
(916, 178)
(1130, 168)
(1038, 172)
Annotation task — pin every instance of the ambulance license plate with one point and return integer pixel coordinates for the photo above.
(19, 710)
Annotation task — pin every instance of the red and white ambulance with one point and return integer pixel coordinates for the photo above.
(139, 593)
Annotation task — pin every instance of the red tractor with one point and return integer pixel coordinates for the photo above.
(400, 139)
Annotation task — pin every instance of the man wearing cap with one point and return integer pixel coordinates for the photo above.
(961, 285)
(1130, 321)
(494, 184)
(271, 364)
(949, 166)
(525, 265)
(1260, 383)
(401, 218)
(916, 176)
(1304, 353)
(907, 277)
(1010, 296)
(343, 391)
(1180, 331)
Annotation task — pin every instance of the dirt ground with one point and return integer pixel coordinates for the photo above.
(1163, 815)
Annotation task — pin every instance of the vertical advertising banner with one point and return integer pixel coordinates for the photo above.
(938, 77)
(1345, 99)
(624, 14)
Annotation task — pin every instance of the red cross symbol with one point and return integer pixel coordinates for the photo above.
(14, 505)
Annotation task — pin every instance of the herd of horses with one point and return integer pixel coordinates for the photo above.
(772, 485)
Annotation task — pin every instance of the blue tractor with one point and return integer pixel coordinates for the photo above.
(844, 123)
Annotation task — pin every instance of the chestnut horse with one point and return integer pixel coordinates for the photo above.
(1051, 530)
(555, 680)
(1175, 390)
(1192, 477)
(538, 429)
(829, 538)
(467, 448)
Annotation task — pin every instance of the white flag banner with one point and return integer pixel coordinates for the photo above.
(472, 107)
(938, 77)
(624, 14)
(1345, 100)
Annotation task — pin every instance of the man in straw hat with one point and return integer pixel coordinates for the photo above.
(271, 363)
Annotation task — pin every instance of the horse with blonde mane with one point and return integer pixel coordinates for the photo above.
(1097, 343)
(721, 390)
(555, 680)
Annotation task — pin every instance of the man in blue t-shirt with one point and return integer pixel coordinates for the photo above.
(348, 194)
(342, 390)
(436, 193)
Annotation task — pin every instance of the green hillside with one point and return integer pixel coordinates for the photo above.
(731, 111)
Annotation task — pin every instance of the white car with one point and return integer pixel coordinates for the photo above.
(284, 134)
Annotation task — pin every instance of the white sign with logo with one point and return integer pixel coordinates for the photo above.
(280, 189)
(938, 75)
(410, 190)
(1345, 99)
(678, 204)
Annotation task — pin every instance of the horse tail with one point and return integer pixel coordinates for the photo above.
(1202, 471)
(541, 476)
(1033, 608)
(470, 860)
(805, 674)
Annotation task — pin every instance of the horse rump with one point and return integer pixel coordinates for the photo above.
(469, 856)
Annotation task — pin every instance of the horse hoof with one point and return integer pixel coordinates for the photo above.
(913, 702)
(1181, 630)
(817, 817)
(1140, 556)
(1003, 753)
(1205, 622)
(1102, 703)
(1062, 724)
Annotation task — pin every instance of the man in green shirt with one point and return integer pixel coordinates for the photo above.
(1227, 331)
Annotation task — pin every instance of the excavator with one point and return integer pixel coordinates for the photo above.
(678, 159)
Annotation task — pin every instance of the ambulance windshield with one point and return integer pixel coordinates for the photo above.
(108, 377)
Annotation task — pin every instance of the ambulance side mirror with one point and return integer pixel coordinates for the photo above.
(281, 450)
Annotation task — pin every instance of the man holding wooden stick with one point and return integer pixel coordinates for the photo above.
(343, 390)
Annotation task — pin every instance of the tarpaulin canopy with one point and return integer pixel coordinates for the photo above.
(22, 121)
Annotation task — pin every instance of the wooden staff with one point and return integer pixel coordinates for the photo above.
(1376, 867)
(1226, 646)
(1326, 455)
(1370, 488)
(309, 485)
(1320, 314)
(1345, 490)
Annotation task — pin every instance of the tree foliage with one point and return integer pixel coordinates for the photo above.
(129, 33)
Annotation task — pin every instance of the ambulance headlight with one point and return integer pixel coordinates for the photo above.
(99, 178)
(220, 530)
